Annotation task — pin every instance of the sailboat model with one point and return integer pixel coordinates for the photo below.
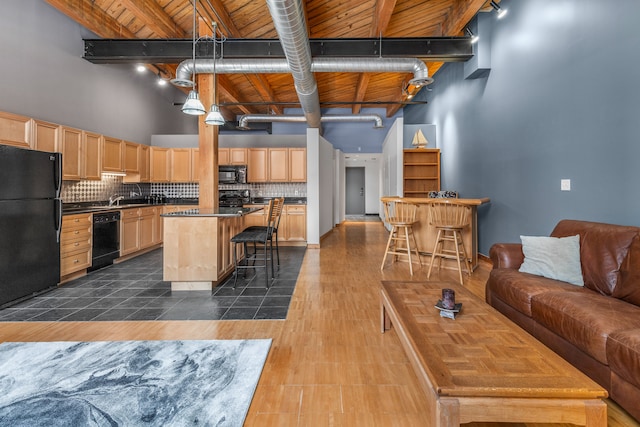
(419, 140)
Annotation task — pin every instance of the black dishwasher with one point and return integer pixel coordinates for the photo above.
(106, 239)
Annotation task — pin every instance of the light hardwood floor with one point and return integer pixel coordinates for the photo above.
(329, 365)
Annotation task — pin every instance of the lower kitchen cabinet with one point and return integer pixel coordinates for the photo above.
(75, 244)
(256, 218)
(139, 229)
(293, 224)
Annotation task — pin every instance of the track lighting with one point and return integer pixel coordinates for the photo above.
(141, 68)
(474, 37)
(500, 11)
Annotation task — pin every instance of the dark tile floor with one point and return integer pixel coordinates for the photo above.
(134, 290)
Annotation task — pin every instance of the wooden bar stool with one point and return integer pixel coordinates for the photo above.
(400, 216)
(449, 218)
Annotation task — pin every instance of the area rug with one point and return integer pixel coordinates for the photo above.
(129, 383)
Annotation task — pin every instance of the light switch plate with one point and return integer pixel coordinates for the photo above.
(565, 185)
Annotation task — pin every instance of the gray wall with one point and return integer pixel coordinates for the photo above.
(562, 100)
(44, 76)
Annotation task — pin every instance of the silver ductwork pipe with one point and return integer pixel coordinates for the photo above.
(318, 65)
(243, 123)
(288, 18)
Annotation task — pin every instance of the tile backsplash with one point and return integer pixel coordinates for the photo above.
(112, 185)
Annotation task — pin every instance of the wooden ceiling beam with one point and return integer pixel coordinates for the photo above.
(153, 16)
(90, 16)
(226, 88)
(381, 19)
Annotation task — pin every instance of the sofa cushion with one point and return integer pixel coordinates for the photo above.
(516, 289)
(608, 267)
(553, 257)
(585, 319)
(623, 353)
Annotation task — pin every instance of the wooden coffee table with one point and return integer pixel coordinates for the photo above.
(481, 367)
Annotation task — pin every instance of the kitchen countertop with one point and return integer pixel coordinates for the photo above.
(224, 211)
(287, 200)
(93, 207)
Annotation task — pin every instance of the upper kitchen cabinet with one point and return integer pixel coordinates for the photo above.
(180, 164)
(145, 166)
(131, 157)
(278, 165)
(72, 153)
(91, 156)
(15, 130)
(257, 164)
(233, 156)
(297, 165)
(159, 161)
(112, 158)
(46, 136)
(195, 165)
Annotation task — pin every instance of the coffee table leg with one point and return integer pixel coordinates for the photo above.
(595, 413)
(448, 412)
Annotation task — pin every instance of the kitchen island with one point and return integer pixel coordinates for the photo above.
(197, 248)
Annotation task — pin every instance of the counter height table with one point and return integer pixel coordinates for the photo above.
(197, 249)
(426, 234)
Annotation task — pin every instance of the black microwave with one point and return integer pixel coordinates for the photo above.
(232, 174)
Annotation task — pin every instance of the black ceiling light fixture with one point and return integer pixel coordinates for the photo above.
(500, 11)
(474, 37)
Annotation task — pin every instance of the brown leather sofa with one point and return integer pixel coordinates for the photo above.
(596, 327)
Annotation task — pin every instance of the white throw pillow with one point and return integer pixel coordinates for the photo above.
(553, 257)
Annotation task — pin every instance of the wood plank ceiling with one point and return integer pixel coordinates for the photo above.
(250, 19)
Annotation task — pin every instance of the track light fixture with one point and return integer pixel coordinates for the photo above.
(474, 37)
(500, 11)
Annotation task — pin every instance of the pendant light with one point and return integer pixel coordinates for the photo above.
(192, 105)
(214, 117)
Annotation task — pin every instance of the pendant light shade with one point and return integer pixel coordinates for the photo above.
(192, 105)
(214, 117)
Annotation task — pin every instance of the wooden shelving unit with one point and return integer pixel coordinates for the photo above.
(421, 171)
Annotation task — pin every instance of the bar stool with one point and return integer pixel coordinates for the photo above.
(400, 216)
(274, 216)
(262, 237)
(449, 218)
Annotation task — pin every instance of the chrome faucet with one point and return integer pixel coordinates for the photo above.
(115, 200)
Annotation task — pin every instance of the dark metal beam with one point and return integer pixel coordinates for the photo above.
(159, 51)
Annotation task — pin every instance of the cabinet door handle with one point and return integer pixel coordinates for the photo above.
(76, 232)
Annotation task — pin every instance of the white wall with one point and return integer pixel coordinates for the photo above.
(392, 162)
(339, 190)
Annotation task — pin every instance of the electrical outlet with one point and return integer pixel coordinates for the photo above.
(565, 185)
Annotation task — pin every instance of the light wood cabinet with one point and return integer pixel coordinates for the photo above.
(15, 130)
(91, 156)
(256, 218)
(297, 164)
(421, 171)
(238, 156)
(75, 243)
(139, 229)
(232, 156)
(112, 158)
(180, 164)
(72, 153)
(223, 156)
(278, 165)
(46, 136)
(293, 224)
(131, 157)
(145, 166)
(257, 164)
(195, 165)
(159, 160)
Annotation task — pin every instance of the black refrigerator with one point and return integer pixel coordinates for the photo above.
(30, 222)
